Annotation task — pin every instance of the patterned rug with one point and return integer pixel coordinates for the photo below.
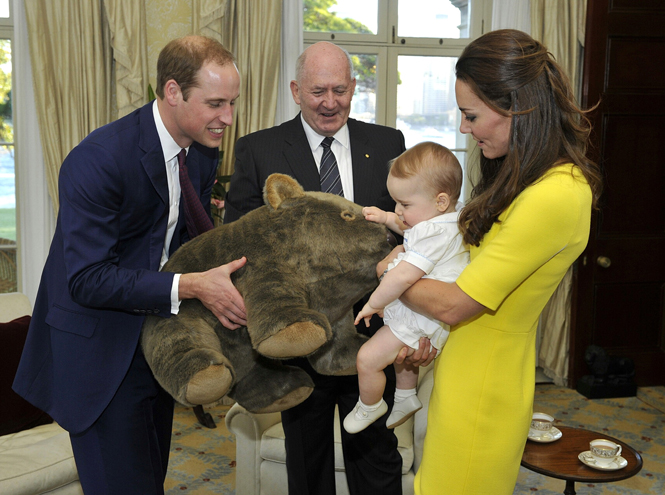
(203, 460)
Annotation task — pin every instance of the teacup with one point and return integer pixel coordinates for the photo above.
(604, 451)
(541, 424)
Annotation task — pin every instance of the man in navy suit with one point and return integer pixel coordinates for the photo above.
(323, 88)
(121, 215)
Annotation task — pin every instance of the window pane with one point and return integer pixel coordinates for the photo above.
(4, 8)
(8, 280)
(341, 16)
(433, 19)
(363, 105)
(426, 105)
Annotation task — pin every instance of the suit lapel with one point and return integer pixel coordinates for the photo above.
(299, 156)
(153, 159)
(154, 166)
(362, 158)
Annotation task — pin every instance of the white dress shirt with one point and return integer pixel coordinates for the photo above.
(341, 148)
(170, 149)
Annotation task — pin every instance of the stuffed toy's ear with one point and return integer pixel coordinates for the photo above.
(280, 187)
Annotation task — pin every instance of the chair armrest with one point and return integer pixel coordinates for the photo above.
(248, 429)
(425, 386)
(14, 305)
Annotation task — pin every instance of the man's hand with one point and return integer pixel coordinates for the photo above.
(217, 293)
(422, 356)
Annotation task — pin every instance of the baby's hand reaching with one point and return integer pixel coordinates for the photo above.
(374, 214)
(366, 314)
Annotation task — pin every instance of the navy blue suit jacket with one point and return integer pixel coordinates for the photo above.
(102, 273)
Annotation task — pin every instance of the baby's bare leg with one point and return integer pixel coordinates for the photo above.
(406, 374)
(377, 353)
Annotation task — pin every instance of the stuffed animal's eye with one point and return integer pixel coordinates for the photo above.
(348, 215)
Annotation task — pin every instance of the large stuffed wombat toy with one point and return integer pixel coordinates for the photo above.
(310, 257)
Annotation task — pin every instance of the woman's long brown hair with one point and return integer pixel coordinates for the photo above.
(516, 76)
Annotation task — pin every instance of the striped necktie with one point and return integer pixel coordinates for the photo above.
(330, 179)
(196, 218)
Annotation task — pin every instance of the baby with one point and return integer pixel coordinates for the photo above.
(425, 182)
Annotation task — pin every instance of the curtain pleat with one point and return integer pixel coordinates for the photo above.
(206, 18)
(127, 25)
(559, 25)
(71, 68)
(252, 31)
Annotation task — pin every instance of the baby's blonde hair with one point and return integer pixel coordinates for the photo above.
(436, 165)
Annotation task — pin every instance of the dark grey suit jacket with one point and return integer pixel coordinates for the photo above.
(285, 149)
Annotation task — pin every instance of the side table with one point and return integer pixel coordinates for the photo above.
(559, 460)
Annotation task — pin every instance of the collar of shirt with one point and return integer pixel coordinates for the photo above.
(341, 147)
(169, 147)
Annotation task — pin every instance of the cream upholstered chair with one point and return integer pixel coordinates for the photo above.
(261, 456)
(38, 460)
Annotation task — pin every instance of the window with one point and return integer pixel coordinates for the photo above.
(404, 54)
(8, 267)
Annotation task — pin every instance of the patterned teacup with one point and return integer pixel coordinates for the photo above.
(541, 424)
(604, 451)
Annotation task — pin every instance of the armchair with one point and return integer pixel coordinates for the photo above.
(261, 455)
(35, 460)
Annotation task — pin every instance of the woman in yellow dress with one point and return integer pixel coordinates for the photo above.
(527, 221)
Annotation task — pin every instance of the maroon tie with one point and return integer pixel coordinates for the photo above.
(196, 218)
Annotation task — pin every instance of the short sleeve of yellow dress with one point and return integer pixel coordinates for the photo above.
(484, 382)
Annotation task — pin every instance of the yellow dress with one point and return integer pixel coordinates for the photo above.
(481, 406)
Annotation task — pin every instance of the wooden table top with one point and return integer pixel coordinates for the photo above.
(559, 460)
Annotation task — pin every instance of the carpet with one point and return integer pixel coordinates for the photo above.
(203, 460)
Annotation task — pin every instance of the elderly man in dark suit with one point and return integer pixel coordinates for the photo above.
(354, 163)
(121, 215)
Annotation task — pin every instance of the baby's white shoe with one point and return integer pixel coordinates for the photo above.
(359, 419)
(403, 410)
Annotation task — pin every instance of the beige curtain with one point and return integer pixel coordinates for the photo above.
(251, 30)
(70, 56)
(559, 25)
(207, 16)
(127, 24)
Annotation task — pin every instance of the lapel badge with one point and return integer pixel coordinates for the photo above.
(366, 155)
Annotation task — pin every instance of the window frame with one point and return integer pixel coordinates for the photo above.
(388, 29)
(7, 32)
(388, 47)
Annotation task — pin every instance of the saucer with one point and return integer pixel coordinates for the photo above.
(546, 437)
(587, 458)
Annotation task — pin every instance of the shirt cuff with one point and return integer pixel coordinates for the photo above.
(175, 302)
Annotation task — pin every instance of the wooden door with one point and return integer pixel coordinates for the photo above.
(619, 301)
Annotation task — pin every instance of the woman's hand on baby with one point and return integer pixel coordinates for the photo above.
(374, 214)
(366, 314)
